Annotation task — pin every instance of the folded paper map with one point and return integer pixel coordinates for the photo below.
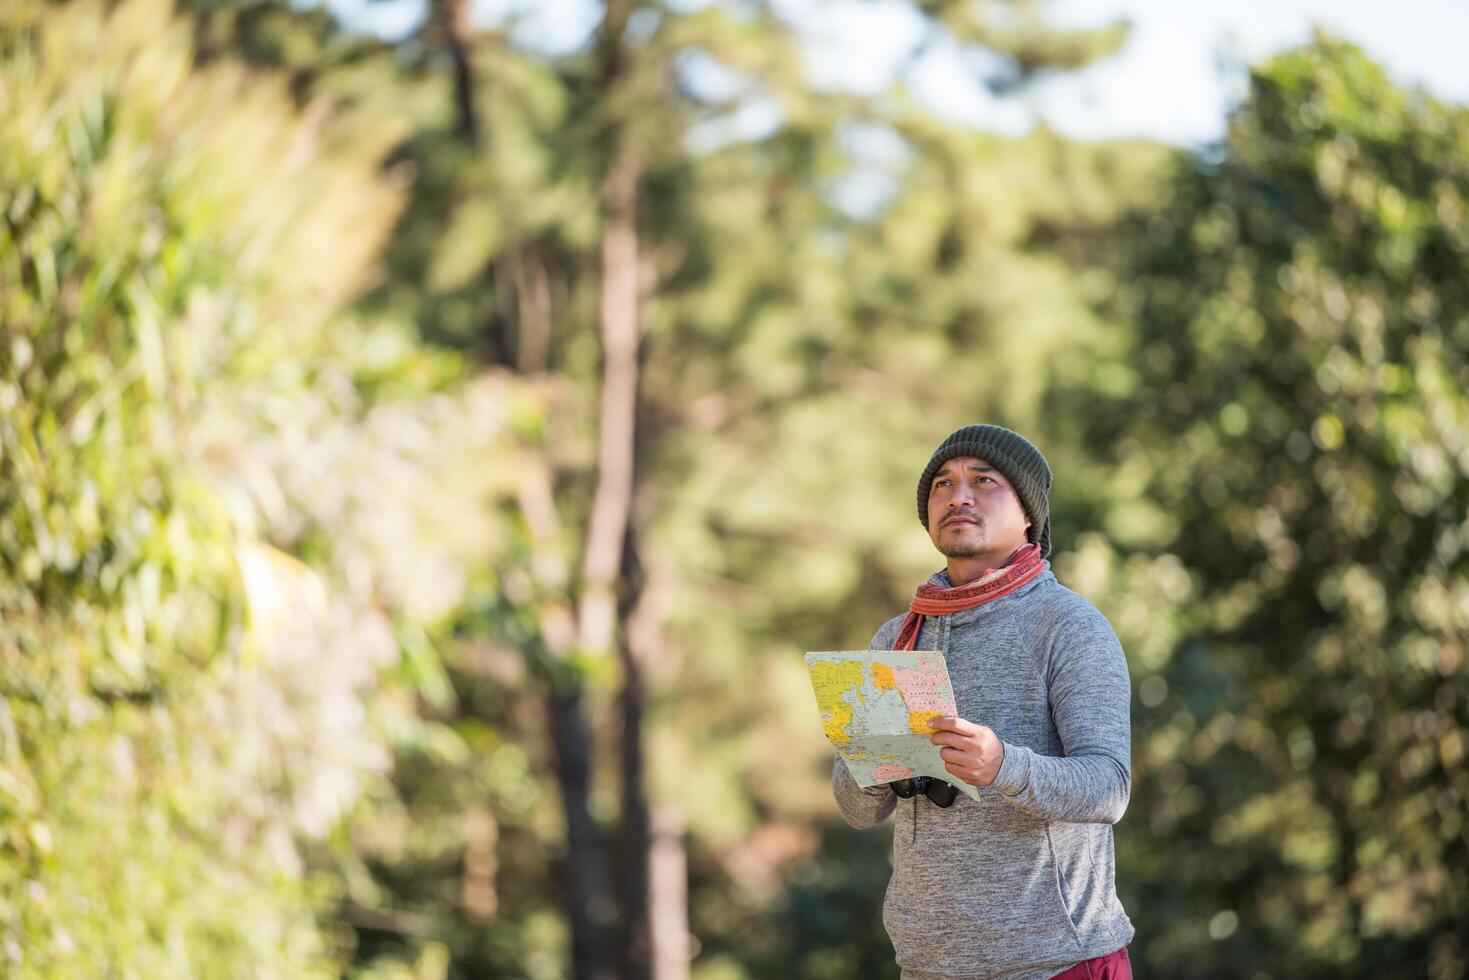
(875, 707)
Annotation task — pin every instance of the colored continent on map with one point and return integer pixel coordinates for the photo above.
(832, 681)
(926, 691)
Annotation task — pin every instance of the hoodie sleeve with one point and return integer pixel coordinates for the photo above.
(860, 807)
(870, 806)
(1090, 702)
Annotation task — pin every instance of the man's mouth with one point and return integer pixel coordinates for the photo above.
(959, 520)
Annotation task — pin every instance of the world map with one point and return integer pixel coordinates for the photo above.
(875, 706)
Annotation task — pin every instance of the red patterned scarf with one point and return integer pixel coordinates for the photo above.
(934, 600)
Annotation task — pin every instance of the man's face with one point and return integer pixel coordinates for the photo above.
(973, 511)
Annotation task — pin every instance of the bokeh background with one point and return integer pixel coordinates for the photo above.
(431, 432)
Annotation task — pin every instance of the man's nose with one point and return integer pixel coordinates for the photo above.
(963, 494)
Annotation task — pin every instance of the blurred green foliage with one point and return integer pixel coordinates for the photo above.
(273, 683)
(186, 414)
(1285, 452)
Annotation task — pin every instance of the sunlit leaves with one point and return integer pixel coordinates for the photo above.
(1301, 414)
(222, 504)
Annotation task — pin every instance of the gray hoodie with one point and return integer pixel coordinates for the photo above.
(1019, 885)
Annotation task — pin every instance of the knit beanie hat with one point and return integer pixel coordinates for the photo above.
(1013, 455)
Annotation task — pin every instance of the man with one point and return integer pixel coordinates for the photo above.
(1019, 885)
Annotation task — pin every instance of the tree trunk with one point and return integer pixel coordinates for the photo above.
(481, 834)
(455, 17)
(669, 879)
(590, 907)
(597, 612)
(621, 333)
(637, 834)
(608, 546)
(532, 286)
(653, 870)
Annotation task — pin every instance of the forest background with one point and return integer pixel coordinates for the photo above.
(422, 464)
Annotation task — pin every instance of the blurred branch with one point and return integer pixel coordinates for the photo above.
(386, 920)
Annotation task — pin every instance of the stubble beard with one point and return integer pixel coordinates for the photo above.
(959, 547)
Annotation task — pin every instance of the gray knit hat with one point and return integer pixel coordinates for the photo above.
(1013, 455)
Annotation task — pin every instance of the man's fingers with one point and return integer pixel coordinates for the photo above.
(958, 758)
(965, 742)
(949, 723)
(951, 737)
(962, 772)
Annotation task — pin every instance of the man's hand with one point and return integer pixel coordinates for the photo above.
(971, 752)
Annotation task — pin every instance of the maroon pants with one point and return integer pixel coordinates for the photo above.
(1113, 966)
